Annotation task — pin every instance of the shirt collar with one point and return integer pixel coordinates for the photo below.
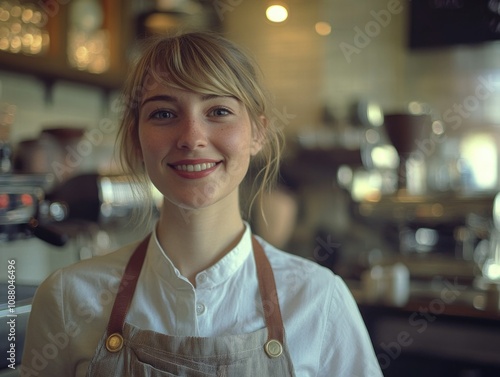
(158, 260)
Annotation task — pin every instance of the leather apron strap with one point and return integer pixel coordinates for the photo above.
(267, 288)
(114, 341)
(270, 303)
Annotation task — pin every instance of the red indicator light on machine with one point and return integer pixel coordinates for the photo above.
(26, 200)
(4, 201)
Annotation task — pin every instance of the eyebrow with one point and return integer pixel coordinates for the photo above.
(167, 98)
(164, 98)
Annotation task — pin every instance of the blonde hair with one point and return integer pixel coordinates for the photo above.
(205, 63)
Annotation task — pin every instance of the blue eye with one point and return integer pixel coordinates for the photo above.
(162, 114)
(221, 111)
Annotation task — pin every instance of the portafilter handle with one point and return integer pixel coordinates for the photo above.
(48, 233)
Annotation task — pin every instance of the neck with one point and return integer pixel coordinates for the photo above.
(196, 239)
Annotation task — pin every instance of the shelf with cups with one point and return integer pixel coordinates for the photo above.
(81, 41)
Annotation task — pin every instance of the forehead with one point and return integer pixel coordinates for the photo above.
(189, 77)
(166, 93)
(158, 80)
(157, 86)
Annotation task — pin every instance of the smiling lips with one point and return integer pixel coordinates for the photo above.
(195, 167)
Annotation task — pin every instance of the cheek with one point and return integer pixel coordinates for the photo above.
(149, 142)
(237, 141)
(237, 147)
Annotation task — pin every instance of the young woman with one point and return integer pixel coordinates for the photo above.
(200, 296)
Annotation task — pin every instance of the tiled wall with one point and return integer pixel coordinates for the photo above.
(64, 105)
(307, 72)
(68, 104)
(364, 59)
(290, 55)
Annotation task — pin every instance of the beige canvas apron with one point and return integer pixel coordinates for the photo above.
(126, 350)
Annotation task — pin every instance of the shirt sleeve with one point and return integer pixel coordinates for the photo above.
(46, 350)
(347, 349)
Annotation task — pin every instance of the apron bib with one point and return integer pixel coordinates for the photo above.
(126, 350)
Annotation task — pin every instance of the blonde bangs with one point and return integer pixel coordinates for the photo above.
(200, 66)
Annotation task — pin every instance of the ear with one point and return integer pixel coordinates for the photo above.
(258, 135)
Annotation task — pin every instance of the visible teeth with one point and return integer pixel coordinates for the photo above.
(196, 167)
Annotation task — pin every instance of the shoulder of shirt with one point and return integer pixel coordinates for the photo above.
(84, 278)
(288, 264)
(115, 260)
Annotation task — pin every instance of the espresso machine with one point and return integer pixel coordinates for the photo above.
(437, 235)
(33, 249)
(439, 264)
(44, 227)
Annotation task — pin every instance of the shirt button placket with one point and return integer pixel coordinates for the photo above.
(202, 277)
(200, 308)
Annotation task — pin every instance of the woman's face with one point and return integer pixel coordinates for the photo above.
(196, 148)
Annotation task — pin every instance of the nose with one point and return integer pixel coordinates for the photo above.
(192, 134)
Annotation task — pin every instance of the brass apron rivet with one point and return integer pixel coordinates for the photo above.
(273, 348)
(114, 343)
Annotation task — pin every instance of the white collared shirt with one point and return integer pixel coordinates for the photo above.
(324, 331)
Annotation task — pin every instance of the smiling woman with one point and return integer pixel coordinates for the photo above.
(223, 72)
(201, 295)
(182, 131)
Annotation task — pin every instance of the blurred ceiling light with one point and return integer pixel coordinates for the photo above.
(323, 28)
(277, 12)
(438, 127)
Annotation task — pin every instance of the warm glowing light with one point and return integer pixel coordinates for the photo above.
(4, 43)
(21, 28)
(16, 28)
(26, 200)
(37, 17)
(15, 44)
(4, 201)
(81, 53)
(4, 16)
(16, 11)
(276, 13)
(323, 28)
(27, 15)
